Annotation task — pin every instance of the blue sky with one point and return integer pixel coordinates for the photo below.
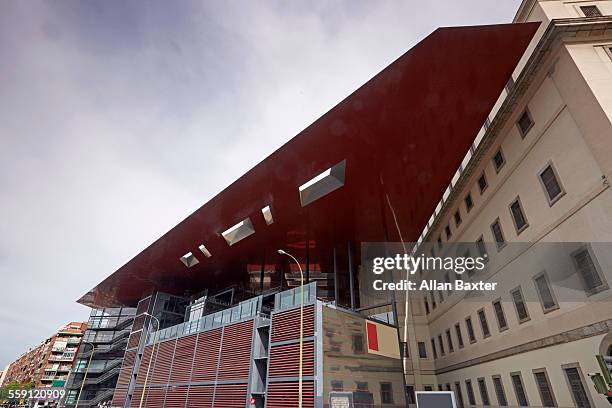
(118, 119)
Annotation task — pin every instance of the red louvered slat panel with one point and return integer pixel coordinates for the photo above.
(119, 397)
(183, 359)
(285, 395)
(231, 396)
(136, 397)
(143, 305)
(206, 356)
(138, 323)
(124, 376)
(200, 396)
(134, 339)
(129, 357)
(154, 397)
(144, 365)
(285, 360)
(162, 362)
(286, 325)
(236, 351)
(176, 397)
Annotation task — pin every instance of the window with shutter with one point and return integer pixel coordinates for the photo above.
(484, 394)
(576, 387)
(499, 391)
(470, 329)
(520, 306)
(590, 11)
(449, 340)
(483, 323)
(518, 216)
(470, 392)
(524, 123)
(499, 314)
(551, 185)
(545, 293)
(459, 395)
(498, 160)
(459, 335)
(544, 388)
(519, 390)
(498, 234)
(589, 272)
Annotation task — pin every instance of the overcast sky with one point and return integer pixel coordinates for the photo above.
(118, 119)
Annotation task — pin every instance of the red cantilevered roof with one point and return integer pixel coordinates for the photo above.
(402, 136)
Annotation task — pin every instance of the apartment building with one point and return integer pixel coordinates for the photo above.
(49, 363)
(99, 359)
(538, 174)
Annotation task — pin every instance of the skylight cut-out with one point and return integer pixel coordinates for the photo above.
(267, 214)
(189, 259)
(238, 232)
(205, 251)
(323, 184)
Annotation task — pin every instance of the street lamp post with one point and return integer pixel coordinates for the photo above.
(93, 347)
(144, 387)
(280, 251)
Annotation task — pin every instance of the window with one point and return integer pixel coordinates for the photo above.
(498, 385)
(440, 387)
(483, 324)
(544, 387)
(519, 390)
(519, 305)
(589, 271)
(547, 298)
(404, 349)
(502, 324)
(441, 344)
(482, 183)
(447, 280)
(469, 204)
(470, 329)
(439, 242)
(590, 11)
(323, 183)
(386, 393)
(484, 395)
(498, 234)
(449, 340)
(428, 388)
(608, 49)
(518, 216)
(361, 385)
(459, 395)
(482, 249)
(358, 344)
(410, 396)
(459, 336)
(433, 348)
(524, 123)
(426, 305)
(337, 386)
(441, 296)
(551, 185)
(422, 349)
(448, 233)
(471, 270)
(448, 387)
(498, 160)
(457, 218)
(576, 385)
(470, 392)
(433, 299)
